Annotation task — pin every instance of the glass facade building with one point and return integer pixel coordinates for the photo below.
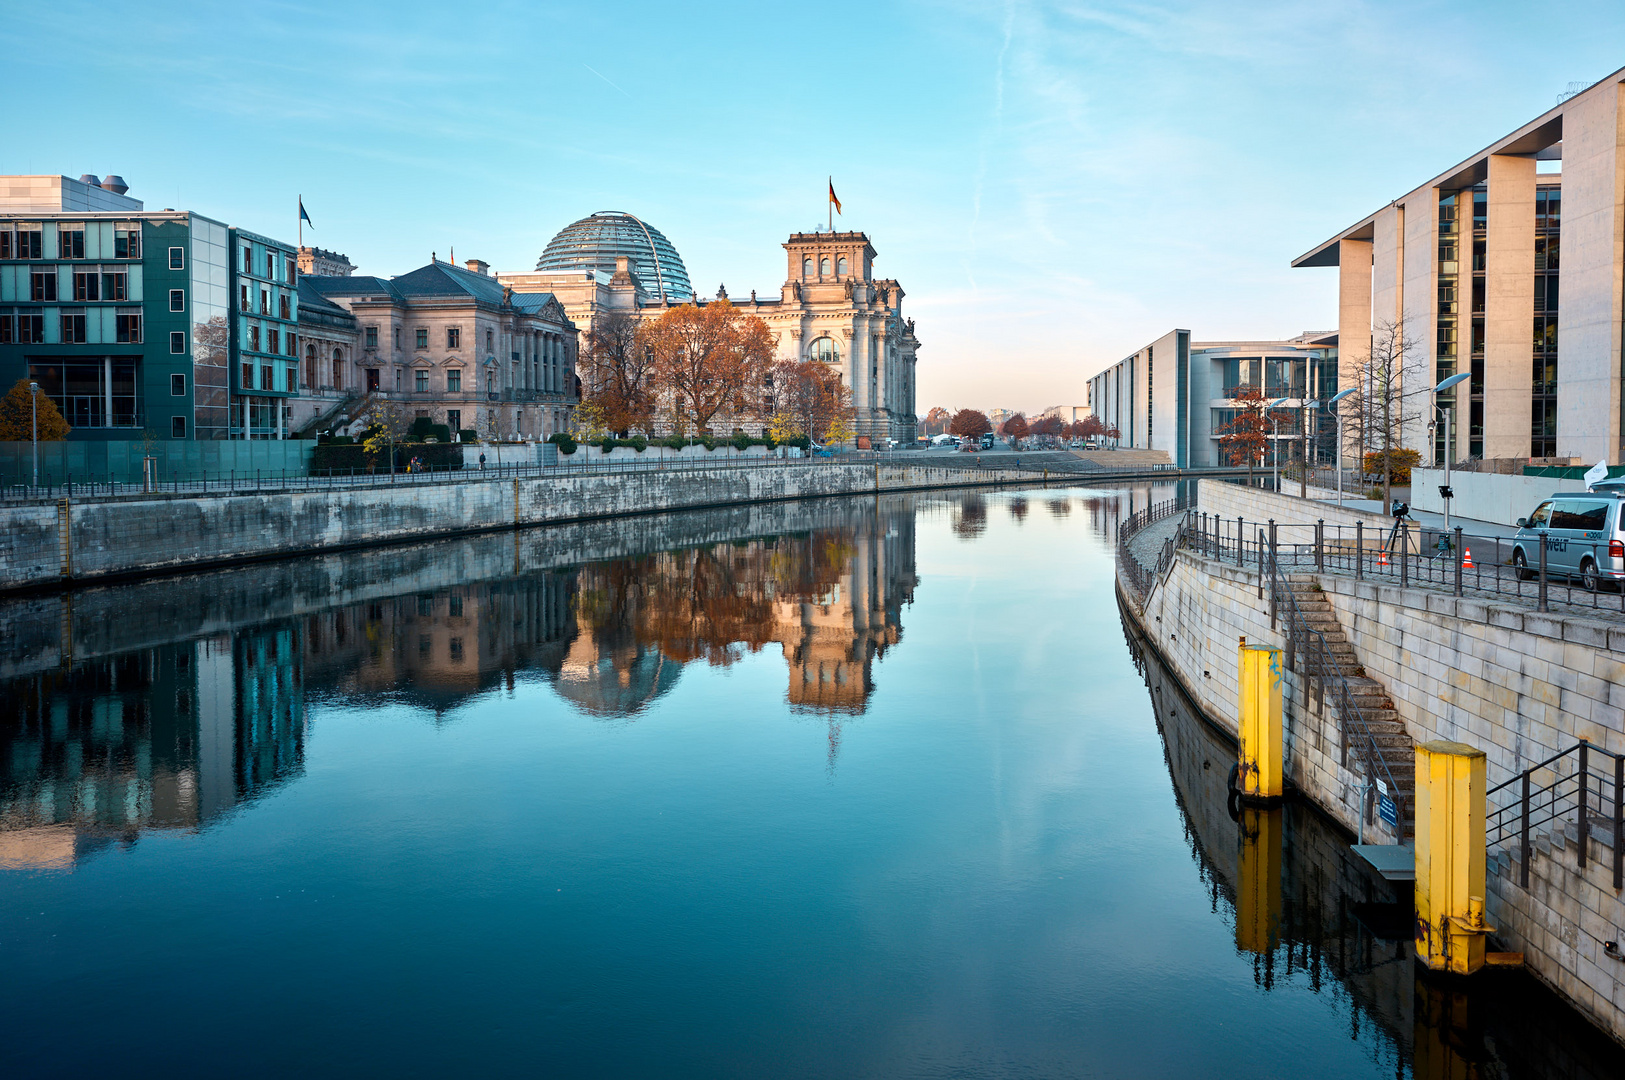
(595, 242)
(264, 276)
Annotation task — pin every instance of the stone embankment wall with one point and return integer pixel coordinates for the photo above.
(158, 533)
(1516, 683)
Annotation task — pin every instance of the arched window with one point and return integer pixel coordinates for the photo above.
(310, 366)
(840, 266)
(824, 350)
(823, 267)
(338, 369)
(806, 268)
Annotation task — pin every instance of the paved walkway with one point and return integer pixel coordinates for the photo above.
(1147, 544)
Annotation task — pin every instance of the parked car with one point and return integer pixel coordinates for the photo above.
(1582, 534)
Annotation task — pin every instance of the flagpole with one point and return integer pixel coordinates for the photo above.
(830, 204)
(301, 219)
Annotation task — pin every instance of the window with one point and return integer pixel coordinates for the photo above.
(242, 299)
(87, 285)
(420, 381)
(177, 427)
(248, 260)
(823, 267)
(42, 285)
(806, 268)
(270, 265)
(94, 392)
(397, 337)
(824, 350)
(372, 337)
(454, 335)
(840, 266)
(177, 299)
(129, 327)
(267, 377)
(8, 328)
(338, 371)
(265, 302)
(30, 328)
(292, 372)
(254, 337)
(73, 328)
(273, 340)
(293, 272)
(454, 380)
(248, 376)
(23, 244)
(423, 338)
(126, 241)
(490, 343)
(177, 342)
(177, 386)
(116, 286)
(282, 307)
(70, 241)
(177, 258)
(454, 420)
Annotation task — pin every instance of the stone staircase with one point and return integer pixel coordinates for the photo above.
(1369, 697)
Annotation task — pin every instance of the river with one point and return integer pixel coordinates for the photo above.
(866, 787)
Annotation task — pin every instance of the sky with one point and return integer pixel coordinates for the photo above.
(1054, 185)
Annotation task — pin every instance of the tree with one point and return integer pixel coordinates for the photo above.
(617, 374)
(710, 359)
(937, 420)
(1014, 429)
(1091, 427)
(1244, 440)
(808, 397)
(1384, 404)
(386, 426)
(969, 424)
(17, 416)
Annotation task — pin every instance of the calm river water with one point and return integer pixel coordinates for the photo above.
(868, 788)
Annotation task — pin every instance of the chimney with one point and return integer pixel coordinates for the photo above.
(479, 266)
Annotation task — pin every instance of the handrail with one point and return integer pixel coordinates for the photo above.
(1538, 806)
(1141, 579)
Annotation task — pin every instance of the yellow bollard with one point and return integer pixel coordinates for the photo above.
(1258, 884)
(1450, 928)
(1260, 720)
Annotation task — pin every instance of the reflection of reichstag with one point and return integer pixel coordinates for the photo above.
(1305, 908)
(193, 702)
(169, 738)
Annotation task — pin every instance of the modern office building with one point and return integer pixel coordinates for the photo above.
(1507, 265)
(1177, 396)
(264, 336)
(456, 346)
(830, 306)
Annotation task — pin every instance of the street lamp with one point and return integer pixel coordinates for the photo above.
(1338, 457)
(1447, 384)
(1275, 443)
(33, 400)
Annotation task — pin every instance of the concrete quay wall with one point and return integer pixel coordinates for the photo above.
(1516, 683)
(157, 534)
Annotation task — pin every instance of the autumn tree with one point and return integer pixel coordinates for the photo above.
(1244, 440)
(1091, 427)
(937, 420)
(712, 359)
(386, 428)
(617, 365)
(1014, 429)
(17, 416)
(807, 397)
(969, 424)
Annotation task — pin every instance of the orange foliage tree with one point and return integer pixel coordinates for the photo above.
(1244, 440)
(1014, 429)
(617, 374)
(17, 416)
(970, 424)
(807, 397)
(712, 359)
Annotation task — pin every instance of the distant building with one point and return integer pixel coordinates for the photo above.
(329, 382)
(323, 263)
(457, 346)
(1176, 395)
(1066, 413)
(830, 307)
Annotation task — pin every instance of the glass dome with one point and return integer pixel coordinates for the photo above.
(593, 243)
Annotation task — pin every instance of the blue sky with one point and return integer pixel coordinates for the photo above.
(1054, 184)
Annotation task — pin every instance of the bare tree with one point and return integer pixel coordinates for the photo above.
(1389, 388)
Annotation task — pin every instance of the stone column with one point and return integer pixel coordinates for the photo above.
(1509, 303)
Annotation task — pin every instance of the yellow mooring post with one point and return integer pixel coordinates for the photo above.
(1260, 720)
(1258, 884)
(1450, 928)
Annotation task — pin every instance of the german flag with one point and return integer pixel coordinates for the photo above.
(836, 202)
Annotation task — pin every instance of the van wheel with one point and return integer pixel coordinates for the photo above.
(1588, 574)
(1521, 566)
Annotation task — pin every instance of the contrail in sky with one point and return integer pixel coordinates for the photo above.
(600, 75)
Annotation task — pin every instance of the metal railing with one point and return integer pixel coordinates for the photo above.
(1563, 788)
(1139, 576)
(1541, 570)
(1310, 655)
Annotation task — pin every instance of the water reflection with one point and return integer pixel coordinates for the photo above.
(1308, 913)
(100, 740)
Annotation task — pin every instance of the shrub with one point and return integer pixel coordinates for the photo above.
(563, 441)
(741, 440)
(468, 435)
(1400, 464)
(675, 442)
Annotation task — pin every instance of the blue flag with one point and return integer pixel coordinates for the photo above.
(304, 216)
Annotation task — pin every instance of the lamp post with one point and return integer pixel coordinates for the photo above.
(1337, 459)
(1275, 441)
(33, 401)
(1449, 429)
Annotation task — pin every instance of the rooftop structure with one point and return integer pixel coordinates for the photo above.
(596, 241)
(61, 194)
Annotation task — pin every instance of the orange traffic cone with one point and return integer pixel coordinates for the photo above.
(1382, 557)
(1467, 562)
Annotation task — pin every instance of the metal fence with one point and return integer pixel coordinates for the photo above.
(1566, 787)
(1139, 576)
